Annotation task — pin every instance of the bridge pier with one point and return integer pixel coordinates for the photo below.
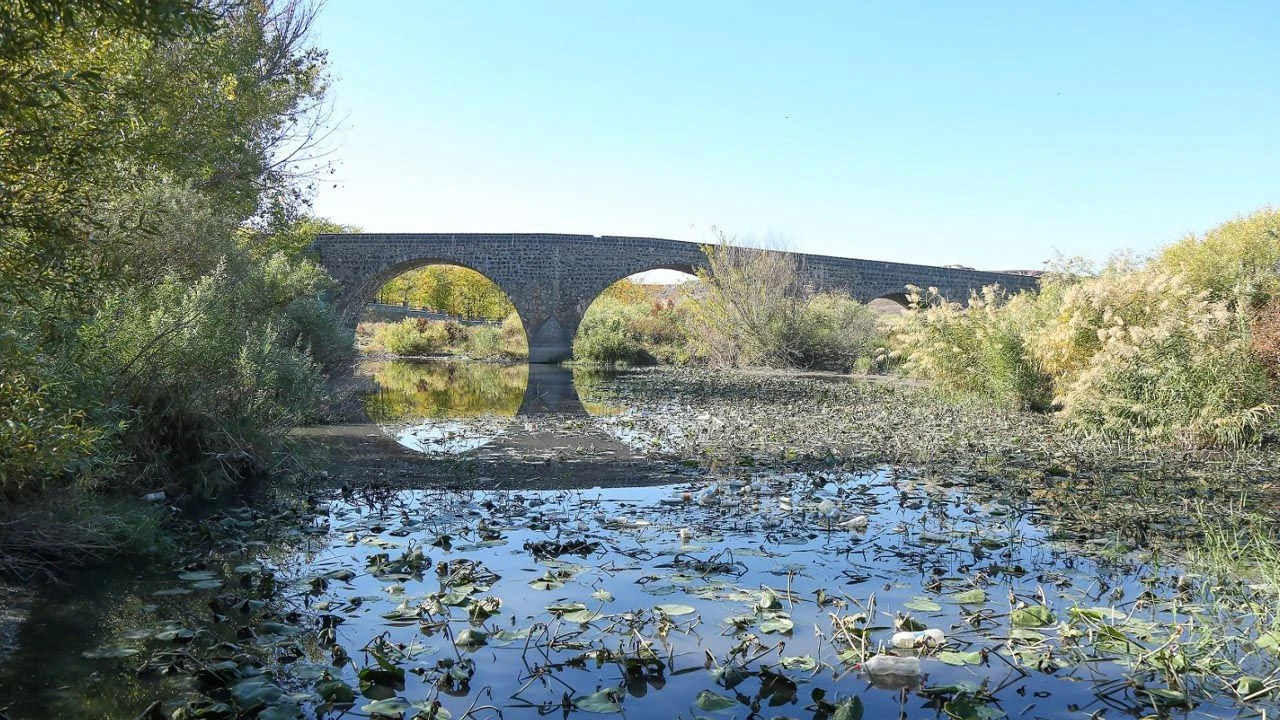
(550, 349)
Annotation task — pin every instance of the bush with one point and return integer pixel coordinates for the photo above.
(1238, 259)
(1142, 352)
(834, 331)
(757, 310)
(412, 338)
(1264, 338)
(605, 336)
(609, 344)
(208, 375)
(1169, 352)
(981, 349)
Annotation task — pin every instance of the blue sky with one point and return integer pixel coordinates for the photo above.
(990, 134)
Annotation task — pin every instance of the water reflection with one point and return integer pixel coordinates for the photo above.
(433, 390)
(444, 408)
(410, 391)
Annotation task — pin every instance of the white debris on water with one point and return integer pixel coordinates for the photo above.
(446, 437)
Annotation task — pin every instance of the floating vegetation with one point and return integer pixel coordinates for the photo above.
(644, 601)
(770, 586)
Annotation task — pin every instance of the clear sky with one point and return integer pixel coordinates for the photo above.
(989, 134)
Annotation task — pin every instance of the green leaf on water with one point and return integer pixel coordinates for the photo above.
(256, 692)
(1249, 685)
(977, 596)
(281, 711)
(471, 638)
(801, 662)
(714, 702)
(110, 652)
(1269, 640)
(175, 635)
(920, 604)
(1167, 696)
(966, 708)
(729, 676)
(952, 657)
(335, 691)
(398, 708)
(604, 702)
(582, 616)
(1034, 616)
(1095, 613)
(777, 623)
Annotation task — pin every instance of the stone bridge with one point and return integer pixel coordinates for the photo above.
(551, 279)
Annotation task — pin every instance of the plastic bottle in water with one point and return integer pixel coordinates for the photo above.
(892, 665)
(909, 639)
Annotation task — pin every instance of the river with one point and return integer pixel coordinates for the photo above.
(529, 541)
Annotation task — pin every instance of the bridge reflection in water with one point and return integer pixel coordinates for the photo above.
(435, 390)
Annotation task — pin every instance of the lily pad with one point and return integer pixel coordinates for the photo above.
(976, 596)
(920, 604)
(675, 609)
(604, 702)
(714, 702)
(1033, 616)
(952, 657)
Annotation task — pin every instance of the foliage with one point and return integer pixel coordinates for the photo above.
(633, 323)
(834, 332)
(155, 157)
(606, 336)
(1180, 349)
(409, 338)
(449, 289)
(757, 309)
(422, 336)
(1163, 360)
(1264, 337)
(980, 349)
(1238, 259)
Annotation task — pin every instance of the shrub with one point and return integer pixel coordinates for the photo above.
(1264, 338)
(756, 309)
(207, 375)
(833, 332)
(609, 344)
(1240, 258)
(605, 336)
(1149, 354)
(410, 338)
(1132, 351)
(981, 349)
(513, 336)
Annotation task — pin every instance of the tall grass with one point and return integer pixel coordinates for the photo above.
(1179, 349)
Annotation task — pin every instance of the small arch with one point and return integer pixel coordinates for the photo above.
(890, 303)
(475, 314)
